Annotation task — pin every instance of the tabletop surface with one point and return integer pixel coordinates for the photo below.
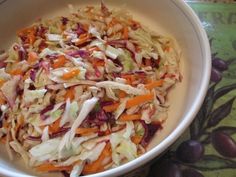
(208, 148)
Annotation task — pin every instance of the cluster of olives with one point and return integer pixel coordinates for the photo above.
(223, 143)
(180, 163)
(170, 169)
(218, 66)
(189, 151)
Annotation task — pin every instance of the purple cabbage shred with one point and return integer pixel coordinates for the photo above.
(150, 130)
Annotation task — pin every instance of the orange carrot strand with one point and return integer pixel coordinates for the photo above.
(50, 168)
(59, 62)
(126, 33)
(110, 108)
(70, 74)
(32, 57)
(132, 117)
(70, 94)
(139, 100)
(154, 84)
(136, 139)
(97, 165)
(86, 131)
(55, 126)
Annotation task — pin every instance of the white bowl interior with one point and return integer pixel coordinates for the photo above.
(167, 17)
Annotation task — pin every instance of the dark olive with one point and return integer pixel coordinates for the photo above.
(216, 76)
(165, 169)
(191, 173)
(219, 64)
(223, 144)
(190, 151)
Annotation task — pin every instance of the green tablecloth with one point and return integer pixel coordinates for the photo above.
(214, 128)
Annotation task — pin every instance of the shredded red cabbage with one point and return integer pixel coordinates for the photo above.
(31, 87)
(59, 133)
(150, 130)
(40, 31)
(32, 75)
(79, 53)
(48, 108)
(45, 65)
(2, 64)
(80, 30)
(117, 43)
(65, 173)
(34, 138)
(64, 20)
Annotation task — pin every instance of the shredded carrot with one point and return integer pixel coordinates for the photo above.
(167, 49)
(126, 117)
(86, 131)
(98, 63)
(122, 94)
(154, 84)
(70, 93)
(126, 33)
(136, 139)
(148, 80)
(5, 124)
(107, 132)
(32, 57)
(103, 167)
(16, 72)
(70, 74)
(59, 62)
(24, 31)
(113, 22)
(131, 102)
(85, 27)
(110, 108)
(50, 167)
(31, 37)
(26, 75)
(55, 126)
(84, 35)
(129, 78)
(82, 41)
(29, 33)
(97, 165)
(94, 48)
(63, 27)
(2, 81)
(83, 38)
(4, 140)
(139, 99)
(2, 100)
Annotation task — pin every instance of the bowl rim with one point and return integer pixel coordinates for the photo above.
(187, 119)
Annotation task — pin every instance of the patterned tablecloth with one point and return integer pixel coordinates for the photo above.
(208, 148)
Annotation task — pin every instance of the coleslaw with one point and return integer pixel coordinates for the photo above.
(87, 92)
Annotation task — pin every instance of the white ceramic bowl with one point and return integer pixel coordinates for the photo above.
(172, 17)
